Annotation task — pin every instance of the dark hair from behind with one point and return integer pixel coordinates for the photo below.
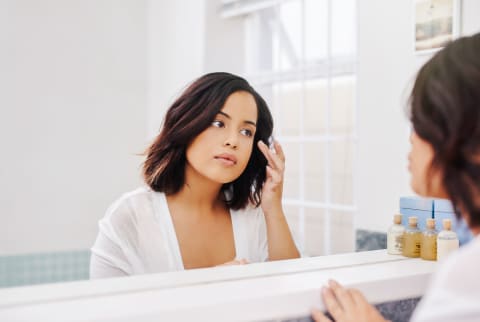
(445, 112)
(187, 117)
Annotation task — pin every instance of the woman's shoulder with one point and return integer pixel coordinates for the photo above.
(461, 268)
(455, 289)
(133, 203)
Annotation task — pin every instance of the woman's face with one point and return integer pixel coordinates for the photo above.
(424, 182)
(221, 152)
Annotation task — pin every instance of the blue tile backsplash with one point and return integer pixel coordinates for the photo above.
(369, 240)
(17, 270)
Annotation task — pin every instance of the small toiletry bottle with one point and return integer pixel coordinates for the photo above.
(428, 248)
(395, 236)
(447, 240)
(412, 239)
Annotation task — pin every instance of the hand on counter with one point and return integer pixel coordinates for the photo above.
(235, 262)
(345, 305)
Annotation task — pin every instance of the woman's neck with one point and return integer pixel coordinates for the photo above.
(199, 193)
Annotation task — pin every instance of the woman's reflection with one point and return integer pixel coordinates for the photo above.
(213, 189)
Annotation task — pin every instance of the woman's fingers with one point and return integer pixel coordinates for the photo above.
(266, 152)
(358, 297)
(235, 262)
(318, 316)
(348, 305)
(274, 175)
(343, 295)
(279, 150)
(276, 160)
(332, 304)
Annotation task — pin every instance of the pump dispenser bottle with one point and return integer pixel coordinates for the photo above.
(395, 236)
(428, 248)
(412, 239)
(447, 240)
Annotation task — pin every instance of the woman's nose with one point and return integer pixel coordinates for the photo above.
(232, 140)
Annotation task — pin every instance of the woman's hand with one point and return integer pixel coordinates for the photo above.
(345, 305)
(273, 186)
(280, 241)
(235, 262)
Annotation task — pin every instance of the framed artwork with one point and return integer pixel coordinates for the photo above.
(437, 22)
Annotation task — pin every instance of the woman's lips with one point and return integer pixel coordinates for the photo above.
(227, 159)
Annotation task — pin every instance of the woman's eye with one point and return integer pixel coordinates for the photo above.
(247, 132)
(218, 123)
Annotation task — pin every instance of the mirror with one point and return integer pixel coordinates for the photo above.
(85, 89)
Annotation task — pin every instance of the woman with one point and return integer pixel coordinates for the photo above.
(213, 193)
(444, 163)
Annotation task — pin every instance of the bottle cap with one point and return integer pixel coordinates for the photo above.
(412, 220)
(430, 223)
(447, 224)
(397, 219)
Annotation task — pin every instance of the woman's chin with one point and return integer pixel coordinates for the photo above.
(418, 190)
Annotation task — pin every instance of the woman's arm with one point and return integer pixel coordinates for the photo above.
(280, 241)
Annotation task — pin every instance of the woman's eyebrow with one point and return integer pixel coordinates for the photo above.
(229, 117)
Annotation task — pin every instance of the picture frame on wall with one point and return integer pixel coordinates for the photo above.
(436, 23)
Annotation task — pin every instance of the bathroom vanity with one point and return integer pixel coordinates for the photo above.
(282, 290)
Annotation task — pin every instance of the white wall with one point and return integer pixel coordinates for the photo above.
(224, 41)
(387, 67)
(176, 42)
(185, 40)
(84, 87)
(73, 115)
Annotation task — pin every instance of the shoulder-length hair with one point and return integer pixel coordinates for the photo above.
(445, 112)
(187, 117)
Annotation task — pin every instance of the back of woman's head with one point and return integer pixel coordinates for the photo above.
(187, 117)
(445, 112)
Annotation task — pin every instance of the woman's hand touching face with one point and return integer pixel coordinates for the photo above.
(273, 187)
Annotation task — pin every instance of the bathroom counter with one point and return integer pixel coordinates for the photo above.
(261, 291)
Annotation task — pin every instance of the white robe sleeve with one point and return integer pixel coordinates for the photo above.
(112, 252)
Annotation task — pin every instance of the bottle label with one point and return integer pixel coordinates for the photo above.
(395, 243)
(398, 245)
(417, 249)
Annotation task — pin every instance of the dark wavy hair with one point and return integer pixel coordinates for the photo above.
(445, 111)
(187, 117)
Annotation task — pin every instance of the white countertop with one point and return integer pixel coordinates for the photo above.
(262, 291)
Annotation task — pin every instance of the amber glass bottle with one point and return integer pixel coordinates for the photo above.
(412, 239)
(428, 248)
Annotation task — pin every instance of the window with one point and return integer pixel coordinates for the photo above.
(301, 56)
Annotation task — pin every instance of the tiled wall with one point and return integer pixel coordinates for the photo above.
(17, 270)
(369, 240)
